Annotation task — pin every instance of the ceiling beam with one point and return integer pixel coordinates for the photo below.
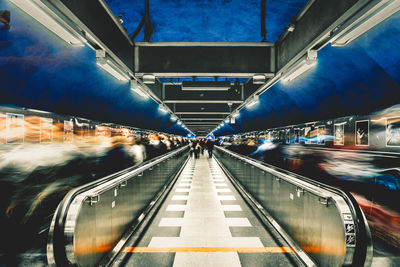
(203, 101)
(201, 119)
(203, 125)
(200, 74)
(204, 59)
(201, 112)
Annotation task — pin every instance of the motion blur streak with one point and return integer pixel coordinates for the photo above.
(44, 155)
(360, 154)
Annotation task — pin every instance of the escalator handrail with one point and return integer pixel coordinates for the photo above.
(56, 254)
(363, 255)
(282, 174)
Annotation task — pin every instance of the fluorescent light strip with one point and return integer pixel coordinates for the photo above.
(258, 79)
(47, 18)
(162, 109)
(140, 92)
(253, 102)
(135, 87)
(370, 19)
(216, 88)
(106, 65)
(299, 69)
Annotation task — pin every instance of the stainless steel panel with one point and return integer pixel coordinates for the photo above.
(97, 216)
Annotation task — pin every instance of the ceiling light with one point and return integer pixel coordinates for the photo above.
(364, 21)
(205, 86)
(162, 108)
(179, 123)
(301, 66)
(227, 120)
(258, 79)
(235, 114)
(109, 66)
(135, 87)
(291, 27)
(149, 79)
(253, 101)
(50, 20)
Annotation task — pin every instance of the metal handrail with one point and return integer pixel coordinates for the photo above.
(327, 193)
(314, 189)
(56, 253)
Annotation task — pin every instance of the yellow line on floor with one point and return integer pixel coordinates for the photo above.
(207, 249)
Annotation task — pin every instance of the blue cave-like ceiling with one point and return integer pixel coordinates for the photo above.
(37, 70)
(208, 20)
(360, 78)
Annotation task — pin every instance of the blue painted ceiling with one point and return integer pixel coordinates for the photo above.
(208, 20)
(38, 70)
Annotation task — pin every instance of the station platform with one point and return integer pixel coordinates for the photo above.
(204, 221)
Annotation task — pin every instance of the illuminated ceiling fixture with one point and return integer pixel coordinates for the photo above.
(227, 120)
(50, 20)
(162, 108)
(235, 114)
(258, 79)
(253, 102)
(359, 24)
(149, 79)
(174, 118)
(301, 66)
(179, 123)
(110, 66)
(205, 86)
(222, 124)
(135, 87)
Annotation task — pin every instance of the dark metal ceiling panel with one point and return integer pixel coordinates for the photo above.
(197, 59)
(174, 92)
(249, 88)
(201, 113)
(201, 108)
(156, 88)
(203, 116)
(206, 85)
(202, 101)
(201, 119)
(103, 24)
(320, 16)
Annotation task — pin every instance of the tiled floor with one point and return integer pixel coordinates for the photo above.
(204, 222)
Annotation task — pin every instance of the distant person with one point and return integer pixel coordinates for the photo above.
(117, 157)
(197, 150)
(202, 146)
(210, 147)
(193, 149)
(137, 151)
